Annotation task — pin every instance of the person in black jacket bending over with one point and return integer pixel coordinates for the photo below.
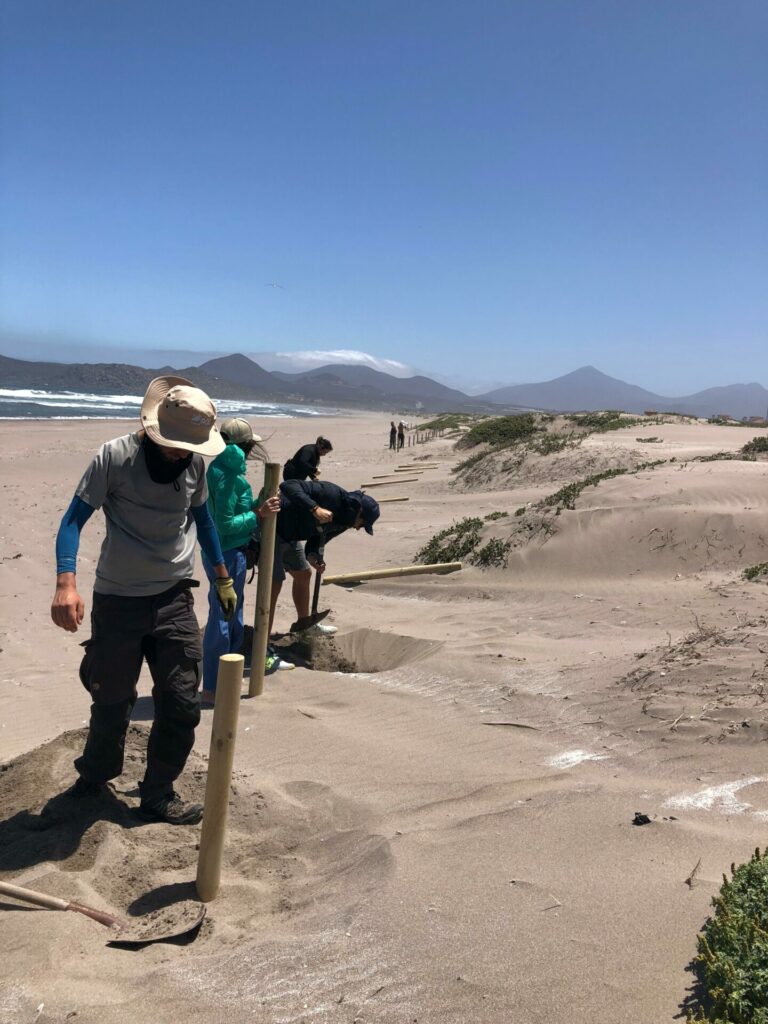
(305, 463)
(316, 513)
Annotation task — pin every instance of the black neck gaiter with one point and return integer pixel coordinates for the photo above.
(160, 469)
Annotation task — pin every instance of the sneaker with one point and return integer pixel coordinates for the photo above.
(276, 664)
(319, 629)
(171, 809)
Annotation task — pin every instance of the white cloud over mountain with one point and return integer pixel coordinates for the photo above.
(308, 359)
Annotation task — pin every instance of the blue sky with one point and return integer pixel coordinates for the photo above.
(497, 191)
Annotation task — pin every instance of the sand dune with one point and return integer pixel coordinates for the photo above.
(436, 826)
(691, 518)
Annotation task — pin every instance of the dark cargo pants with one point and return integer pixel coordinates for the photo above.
(124, 631)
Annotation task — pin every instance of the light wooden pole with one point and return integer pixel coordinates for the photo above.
(228, 684)
(440, 568)
(386, 483)
(383, 501)
(264, 586)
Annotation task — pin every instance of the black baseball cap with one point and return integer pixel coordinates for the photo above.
(369, 509)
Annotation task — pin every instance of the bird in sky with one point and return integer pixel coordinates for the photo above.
(274, 284)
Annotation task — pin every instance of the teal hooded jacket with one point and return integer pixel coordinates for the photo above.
(230, 499)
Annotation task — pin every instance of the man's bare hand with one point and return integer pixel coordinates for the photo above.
(268, 508)
(316, 564)
(322, 515)
(67, 610)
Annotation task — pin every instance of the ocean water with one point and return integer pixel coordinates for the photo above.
(21, 404)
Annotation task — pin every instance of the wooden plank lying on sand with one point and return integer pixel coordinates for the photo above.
(385, 483)
(386, 476)
(440, 568)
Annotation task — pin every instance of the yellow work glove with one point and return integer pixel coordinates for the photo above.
(225, 591)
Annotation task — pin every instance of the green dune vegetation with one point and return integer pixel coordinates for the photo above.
(733, 949)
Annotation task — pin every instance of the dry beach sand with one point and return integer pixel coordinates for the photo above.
(444, 835)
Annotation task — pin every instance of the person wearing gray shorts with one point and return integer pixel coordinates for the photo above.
(314, 512)
(290, 557)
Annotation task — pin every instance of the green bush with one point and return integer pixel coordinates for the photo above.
(715, 457)
(453, 543)
(733, 948)
(495, 515)
(566, 497)
(548, 444)
(756, 445)
(600, 422)
(466, 464)
(447, 421)
(494, 553)
(501, 431)
(462, 541)
(753, 571)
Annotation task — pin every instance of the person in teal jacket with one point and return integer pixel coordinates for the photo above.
(236, 515)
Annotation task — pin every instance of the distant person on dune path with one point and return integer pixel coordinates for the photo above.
(392, 435)
(400, 435)
(151, 485)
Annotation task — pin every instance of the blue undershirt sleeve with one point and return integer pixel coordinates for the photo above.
(68, 537)
(206, 534)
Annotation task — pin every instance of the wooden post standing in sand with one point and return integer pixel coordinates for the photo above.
(440, 568)
(264, 586)
(222, 753)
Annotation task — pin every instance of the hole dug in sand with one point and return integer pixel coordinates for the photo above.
(362, 650)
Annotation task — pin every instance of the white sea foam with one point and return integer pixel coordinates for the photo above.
(33, 403)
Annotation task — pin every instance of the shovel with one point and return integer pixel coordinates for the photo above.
(157, 926)
(315, 615)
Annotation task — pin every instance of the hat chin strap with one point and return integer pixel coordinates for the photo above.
(160, 469)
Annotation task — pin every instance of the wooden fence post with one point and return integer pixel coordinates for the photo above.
(264, 586)
(220, 759)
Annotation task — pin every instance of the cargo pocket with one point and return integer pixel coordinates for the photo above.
(86, 664)
(193, 653)
(110, 669)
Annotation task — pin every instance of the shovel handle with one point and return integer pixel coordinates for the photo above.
(42, 899)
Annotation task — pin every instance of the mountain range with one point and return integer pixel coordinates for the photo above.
(360, 386)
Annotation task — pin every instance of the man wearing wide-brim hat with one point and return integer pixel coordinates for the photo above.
(151, 485)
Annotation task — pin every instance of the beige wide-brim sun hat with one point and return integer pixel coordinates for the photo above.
(176, 414)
